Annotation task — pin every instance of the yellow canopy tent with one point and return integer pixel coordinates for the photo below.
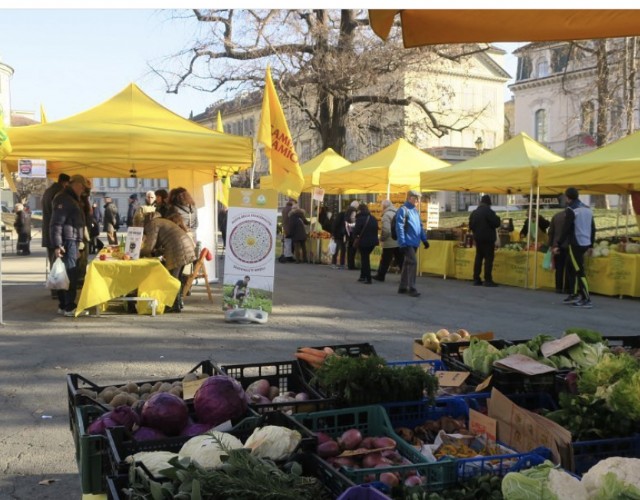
(433, 26)
(509, 168)
(393, 169)
(326, 161)
(612, 169)
(128, 135)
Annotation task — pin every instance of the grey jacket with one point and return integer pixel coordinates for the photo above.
(166, 238)
(386, 241)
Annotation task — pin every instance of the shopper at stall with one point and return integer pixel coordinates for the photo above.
(164, 238)
(22, 225)
(96, 211)
(338, 233)
(365, 240)
(483, 223)
(410, 233)
(540, 226)
(563, 278)
(111, 221)
(162, 201)
(390, 249)
(323, 219)
(67, 231)
(223, 212)
(350, 224)
(287, 244)
(579, 231)
(182, 204)
(47, 210)
(298, 223)
(131, 210)
(148, 206)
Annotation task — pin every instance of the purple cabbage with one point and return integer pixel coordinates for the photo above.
(218, 399)
(166, 413)
(148, 434)
(194, 429)
(120, 416)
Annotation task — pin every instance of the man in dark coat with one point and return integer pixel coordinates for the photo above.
(483, 222)
(111, 221)
(133, 206)
(67, 232)
(47, 210)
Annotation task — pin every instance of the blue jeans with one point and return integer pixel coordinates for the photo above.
(67, 298)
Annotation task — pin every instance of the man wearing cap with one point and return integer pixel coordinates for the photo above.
(483, 223)
(410, 233)
(67, 231)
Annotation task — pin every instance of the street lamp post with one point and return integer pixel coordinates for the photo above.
(479, 146)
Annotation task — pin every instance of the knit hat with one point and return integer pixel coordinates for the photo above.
(486, 199)
(571, 193)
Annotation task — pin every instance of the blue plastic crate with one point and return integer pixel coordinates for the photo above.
(500, 465)
(587, 453)
(413, 413)
(431, 365)
(529, 401)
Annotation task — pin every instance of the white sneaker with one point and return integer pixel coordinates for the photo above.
(72, 314)
(61, 311)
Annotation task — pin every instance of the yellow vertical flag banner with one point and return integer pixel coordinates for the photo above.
(5, 143)
(274, 134)
(43, 115)
(225, 185)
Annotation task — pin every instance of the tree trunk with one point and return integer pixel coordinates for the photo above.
(602, 82)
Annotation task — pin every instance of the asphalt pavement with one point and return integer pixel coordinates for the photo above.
(313, 305)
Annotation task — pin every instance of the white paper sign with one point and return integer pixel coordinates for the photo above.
(318, 194)
(133, 242)
(433, 215)
(29, 168)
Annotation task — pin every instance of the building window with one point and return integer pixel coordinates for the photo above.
(114, 182)
(542, 68)
(588, 119)
(560, 59)
(524, 68)
(132, 182)
(541, 131)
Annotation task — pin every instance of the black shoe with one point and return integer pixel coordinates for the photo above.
(377, 278)
(414, 293)
(490, 284)
(402, 290)
(367, 282)
(477, 283)
(571, 299)
(362, 279)
(291, 259)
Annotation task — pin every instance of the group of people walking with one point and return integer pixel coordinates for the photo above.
(69, 223)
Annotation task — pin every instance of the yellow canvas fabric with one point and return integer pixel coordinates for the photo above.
(509, 168)
(433, 26)
(612, 169)
(393, 169)
(130, 134)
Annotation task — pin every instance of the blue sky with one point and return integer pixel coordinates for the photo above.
(69, 60)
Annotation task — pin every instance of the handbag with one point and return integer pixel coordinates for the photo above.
(333, 246)
(356, 241)
(547, 262)
(58, 278)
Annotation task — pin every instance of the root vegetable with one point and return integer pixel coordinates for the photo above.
(260, 387)
(390, 479)
(323, 437)
(328, 449)
(350, 439)
(383, 442)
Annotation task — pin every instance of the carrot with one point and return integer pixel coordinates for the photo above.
(314, 361)
(314, 352)
(329, 350)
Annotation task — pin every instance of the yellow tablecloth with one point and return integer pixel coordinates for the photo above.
(108, 279)
(440, 258)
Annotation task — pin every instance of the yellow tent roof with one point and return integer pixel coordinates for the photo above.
(324, 162)
(395, 168)
(509, 168)
(434, 26)
(612, 169)
(128, 132)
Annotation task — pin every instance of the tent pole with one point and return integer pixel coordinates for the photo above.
(526, 268)
(629, 202)
(618, 215)
(535, 255)
(216, 181)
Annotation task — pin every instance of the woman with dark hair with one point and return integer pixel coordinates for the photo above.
(181, 203)
(162, 201)
(298, 223)
(365, 239)
(22, 226)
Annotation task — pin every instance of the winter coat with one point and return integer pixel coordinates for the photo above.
(111, 218)
(555, 229)
(166, 238)
(22, 223)
(385, 233)
(338, 229)
(68, 219)
(366, 228)
(131, 212)
(298, 225)
(285, 220)
(350, 222)
(483, 221)
(47, 211)
(409, 227)
(189, 216)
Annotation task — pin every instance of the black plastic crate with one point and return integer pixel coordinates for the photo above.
(287, 377)
(91, 450)
(588, 453)
(628, 341)
(121, 444)
(333, 481)
(77, 385)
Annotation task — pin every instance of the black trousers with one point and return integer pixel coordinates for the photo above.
(564, 279)
(365, 263)
(389, 254)
(576, 268)
(351, 255)
(485, 251)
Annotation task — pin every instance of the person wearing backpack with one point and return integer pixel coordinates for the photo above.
(390, 249)
(410, 233)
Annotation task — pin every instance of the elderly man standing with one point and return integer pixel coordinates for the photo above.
(410, 233)
(67, 232)
(390, 249)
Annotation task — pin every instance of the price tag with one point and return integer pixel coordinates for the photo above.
(452, 379)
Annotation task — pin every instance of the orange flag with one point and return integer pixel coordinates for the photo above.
(274, 133)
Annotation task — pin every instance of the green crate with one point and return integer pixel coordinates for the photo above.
(373, 421)
(91, 451)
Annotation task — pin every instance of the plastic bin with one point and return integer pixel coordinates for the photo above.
(334, 482)
(91, 451)
(430, 365)
(373, 421)
(413, 413)
(121, 445)
(363, 492)
(286, 376)
(530, 401)
(587, 453)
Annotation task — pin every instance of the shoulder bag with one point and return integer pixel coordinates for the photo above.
(356, 241)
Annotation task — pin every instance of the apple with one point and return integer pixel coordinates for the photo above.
(102, 257)
(126, 256)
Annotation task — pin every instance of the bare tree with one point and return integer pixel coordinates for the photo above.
(328, 65)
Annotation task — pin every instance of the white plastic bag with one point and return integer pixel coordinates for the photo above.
(332, 247)
(58, 279)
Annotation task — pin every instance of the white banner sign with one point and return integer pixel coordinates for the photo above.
(433, 215)
(32, 169)
(133, 242)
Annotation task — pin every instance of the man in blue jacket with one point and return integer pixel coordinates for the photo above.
(410, 233)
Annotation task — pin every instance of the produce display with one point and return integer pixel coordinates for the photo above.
(432, 340)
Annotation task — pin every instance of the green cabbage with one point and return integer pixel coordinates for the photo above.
(529, 484)
(585, 355)
(607, 371)
(624, 397)
(480, 355)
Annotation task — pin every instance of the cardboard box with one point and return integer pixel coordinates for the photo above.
(420, 352)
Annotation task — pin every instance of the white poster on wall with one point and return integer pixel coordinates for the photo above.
(249, 262)
(433, 215)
